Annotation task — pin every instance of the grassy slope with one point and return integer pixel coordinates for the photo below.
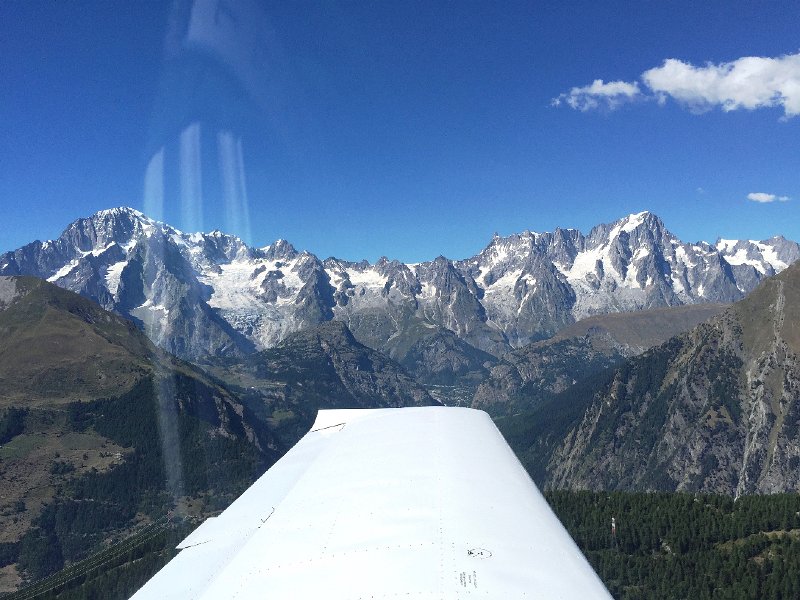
(100, 405)
(56, 346)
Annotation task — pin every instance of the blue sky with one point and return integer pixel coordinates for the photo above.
(413, 129)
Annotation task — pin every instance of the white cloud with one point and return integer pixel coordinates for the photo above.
(764, 198)
(750, 82)
(597, 94)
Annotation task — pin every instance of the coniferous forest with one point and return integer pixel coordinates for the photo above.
(672, 545)
(667, 545)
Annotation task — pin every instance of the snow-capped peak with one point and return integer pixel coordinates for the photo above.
(279, 249)
(121, 220)
(633, 221)
(725, 245)
(121, 210)
(517, 289)
(765, 256)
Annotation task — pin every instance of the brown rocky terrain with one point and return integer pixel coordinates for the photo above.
(716, 409)
(526, 377)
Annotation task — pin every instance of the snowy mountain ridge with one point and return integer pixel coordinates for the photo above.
(200, 294)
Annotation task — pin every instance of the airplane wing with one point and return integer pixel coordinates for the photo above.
(386, 503)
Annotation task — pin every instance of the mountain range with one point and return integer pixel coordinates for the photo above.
(204, 295)
(715, 409)
(621, 359)
(102, 432)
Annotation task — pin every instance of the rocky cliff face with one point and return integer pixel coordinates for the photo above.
(716, 409)
(202, 295)
(319, 367)
(367, 378)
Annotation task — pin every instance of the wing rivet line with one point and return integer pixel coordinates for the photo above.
(265, 519)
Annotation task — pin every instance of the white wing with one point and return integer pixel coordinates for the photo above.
(388, 503)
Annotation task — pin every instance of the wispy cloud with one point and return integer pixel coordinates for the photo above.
(599, 94)
(749, 83)
(765, 198)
